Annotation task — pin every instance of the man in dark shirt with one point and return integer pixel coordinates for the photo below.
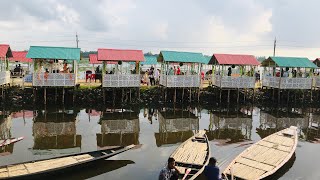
(211, 171)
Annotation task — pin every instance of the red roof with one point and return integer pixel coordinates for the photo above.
(4, 48)
(235, 59)
(93, 59)
(20, 56)
(120, 55)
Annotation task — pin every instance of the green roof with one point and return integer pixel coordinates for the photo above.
(207, 59)
(149, 60)
(45, 52)
(186, 57)
(301, 62)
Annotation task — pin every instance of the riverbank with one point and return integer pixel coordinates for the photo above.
(92, 96)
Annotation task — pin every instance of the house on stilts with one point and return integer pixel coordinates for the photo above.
(233, 72)
(54, 67)
(181, 71)
(5, 54)
(121, 71)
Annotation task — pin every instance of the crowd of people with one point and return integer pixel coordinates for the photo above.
(151, 77)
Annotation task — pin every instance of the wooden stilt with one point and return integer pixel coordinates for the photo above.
(34, 95)
(165, 94)
(45, 95)
(228, 96)
(103, 95)
(288, 97)
(272, 94)
(198, 94)
(190, 95)
(175, 95)
(182, 95)
(254, 95)
(74, 95)
(55, 96)
(63, 92)
(122, 95)
(279, 92)
(238, 96)
(114, 95)
(311, 96)
(220, 97)
(2, 93)
(138, 89)
(130, 95)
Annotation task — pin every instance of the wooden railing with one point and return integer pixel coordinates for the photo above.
(54, 79)
(4, 77)
(121, 80)
(180, 80)
(287, 83)
(233, 82)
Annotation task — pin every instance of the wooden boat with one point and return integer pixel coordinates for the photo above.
(194, 153)
(10, 141)
(265, 157)
(39, 168)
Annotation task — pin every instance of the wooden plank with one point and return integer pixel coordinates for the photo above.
(255, 164)
(4, 174)
(242, 171)
(3, 170)
(18, 172)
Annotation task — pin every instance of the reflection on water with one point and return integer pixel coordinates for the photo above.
(52, 132)
(175, 125)
(119, 127)
(5, 132)
(231, 125)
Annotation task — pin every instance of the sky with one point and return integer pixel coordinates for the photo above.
(207, 26)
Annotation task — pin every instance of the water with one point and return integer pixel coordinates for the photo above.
(54, 132)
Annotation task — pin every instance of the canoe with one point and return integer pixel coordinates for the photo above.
(265, 157)
(194, 153)
(10, 141)
(43, 167)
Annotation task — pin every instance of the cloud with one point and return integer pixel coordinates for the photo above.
(229, 26)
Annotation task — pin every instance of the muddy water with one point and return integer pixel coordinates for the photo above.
(54, 132)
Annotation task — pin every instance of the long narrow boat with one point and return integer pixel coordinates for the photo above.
(10, 141)
(265, 157)
(194, 153)
(39, 168)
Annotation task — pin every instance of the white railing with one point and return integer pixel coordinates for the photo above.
(121, 80)
(287, 83)
(233, 82)
(316, 82)
(4, 77)
(180, 80)
(54, 79)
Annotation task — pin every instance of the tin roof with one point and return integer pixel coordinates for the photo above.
(45, 52)
(5, 51)
(185, 57)
(93, 59)
(236, 59)
(20, 56)
(301, 62)
(149, 60)
(120, 55)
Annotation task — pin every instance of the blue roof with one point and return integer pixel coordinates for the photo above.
(45, 52)
(149, 60)
(185, 57)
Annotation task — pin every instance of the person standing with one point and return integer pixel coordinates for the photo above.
(229, 71)
(178, 71)
(211, 171)
(151, 76)
(157, 76)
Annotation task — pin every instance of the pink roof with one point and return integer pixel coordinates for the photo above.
(20, 56)
(234, 59)
(93, 59)
(120, 55)
(4, 48)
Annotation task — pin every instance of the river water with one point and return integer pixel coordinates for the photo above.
(59, 131)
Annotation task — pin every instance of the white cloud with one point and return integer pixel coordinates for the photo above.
(229, 26)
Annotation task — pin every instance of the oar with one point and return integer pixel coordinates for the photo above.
(186, 174)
